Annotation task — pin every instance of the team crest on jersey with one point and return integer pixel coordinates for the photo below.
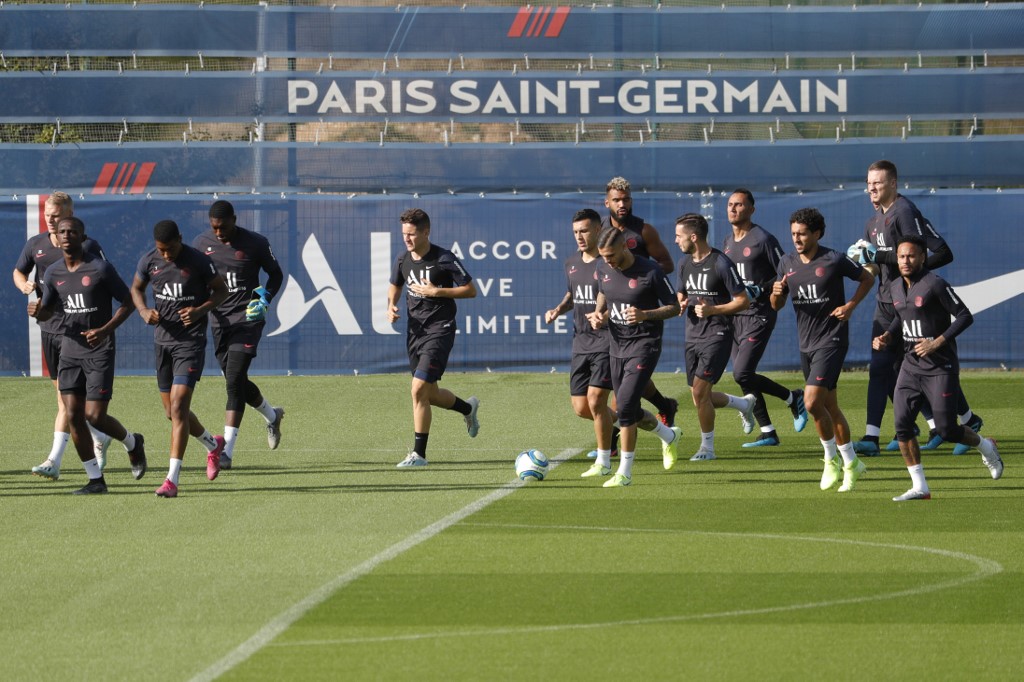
(633, 284)
(819, 272)
(746, 252)
(631, 243)
(919, 301)
(86, 281)
(239, 255)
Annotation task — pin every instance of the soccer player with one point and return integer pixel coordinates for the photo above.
(238, 322)
(186, 286)
(590, 379)
(923, 303)
(814, 274)
(710, 292)
(894, 217)
(756, 253)
(39, 253)
(634, 297)
(643, 241)
(434, 278)
(84, 285)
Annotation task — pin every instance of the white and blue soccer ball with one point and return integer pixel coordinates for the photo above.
(531, 464)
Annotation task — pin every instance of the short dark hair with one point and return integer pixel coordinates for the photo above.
(587, 214)
(694, 222)
(166, 231)
(916, 240)
(610, 236)
(811, 217)
(745, 192)
(888, 166)
(417, 217)
(79, 225)
(222, 209)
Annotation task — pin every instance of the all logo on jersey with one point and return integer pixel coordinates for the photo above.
(912, 329)
(74, 302)
(173, 290)
(697, 282)
(741, 269)
(617, 312)
(807, 292)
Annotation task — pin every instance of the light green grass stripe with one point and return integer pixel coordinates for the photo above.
(284, 620)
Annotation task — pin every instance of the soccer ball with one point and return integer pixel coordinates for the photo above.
(531, 464)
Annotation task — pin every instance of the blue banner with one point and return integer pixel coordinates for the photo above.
(337, 254)
(663, 96)
(208, 167)
(539, 31)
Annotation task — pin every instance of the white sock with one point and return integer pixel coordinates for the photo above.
(966, 416)
(92, 469)
(790, 398)
(267, 410)
(60, 442)
(129, 442)
(917, 478)
(626, 464)
(985, 447)
(872, 430)
(173, 471)
(847, 453)
(830, 448)
(230, 436)
(735, 403)
(707, 441)
(767, 429)
(931, 424)
(98, 435)
(604, 458)
(663, 432)
(208, 441)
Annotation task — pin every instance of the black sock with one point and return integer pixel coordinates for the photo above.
(420, 444)
(461, 406)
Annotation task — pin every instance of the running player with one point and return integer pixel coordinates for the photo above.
(39, 253)
(186, 287)
(634, 298)
(84, 285)
(814, 273)
(923, 303)
(711, 292)
(590, 379)
(756, 253)
(643, 241)
(433, 278)
(894, 217)
(238, 322)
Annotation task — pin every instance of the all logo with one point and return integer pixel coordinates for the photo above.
(697, 282)
(74, 302)
(912, 329)
(807, 292)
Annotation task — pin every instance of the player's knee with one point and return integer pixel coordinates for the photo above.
(951, 433)
(744, 378)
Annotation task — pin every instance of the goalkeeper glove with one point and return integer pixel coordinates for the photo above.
(753, 291)
(862, 251)
(257, 308)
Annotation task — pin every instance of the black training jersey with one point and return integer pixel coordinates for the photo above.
(923, 311)
(885, 229)
(439, 267)
(643, 285)
(86, 296)
(713, 280)
(239, 263)
(180, 284)
(817, 288)
(40, 253)
(633, 230)
(756, 257)
(581, 279)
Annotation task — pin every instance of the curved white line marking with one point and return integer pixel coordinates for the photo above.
(284, 620)
(985, 568)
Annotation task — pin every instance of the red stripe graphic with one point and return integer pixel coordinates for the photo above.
(522, 16)
(142, 179)
(555, 27)
(103, 181)
(120, 177)
(531, 22)
(127, 177)
(43, 227)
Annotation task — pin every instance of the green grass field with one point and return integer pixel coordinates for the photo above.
(320, 560)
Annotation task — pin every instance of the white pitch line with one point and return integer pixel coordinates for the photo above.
(286, 618)
(985, 569)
